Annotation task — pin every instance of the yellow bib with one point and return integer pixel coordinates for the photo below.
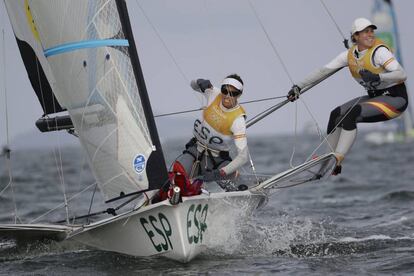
(365, 62)
(220, 120)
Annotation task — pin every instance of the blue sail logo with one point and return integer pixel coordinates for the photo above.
(139, 163)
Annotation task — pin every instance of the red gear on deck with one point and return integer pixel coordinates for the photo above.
(179, 177)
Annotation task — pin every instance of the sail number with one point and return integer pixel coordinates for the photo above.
(159, 231)
(196, 223)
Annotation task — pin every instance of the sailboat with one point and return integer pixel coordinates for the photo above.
(384, 17)
(82, 62)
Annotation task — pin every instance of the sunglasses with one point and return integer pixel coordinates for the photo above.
(226, 91)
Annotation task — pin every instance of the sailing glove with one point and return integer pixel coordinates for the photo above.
(201, 85)
(294, 93)
(368, 76)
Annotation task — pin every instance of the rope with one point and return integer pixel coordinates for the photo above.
(345, 41)
(340, 121)
(62, 204)
(295, 137)
(6, 113)
(199, 109)
(271, 43)
(90, 205)
(59, 165)
(163, 42)
(186, 79)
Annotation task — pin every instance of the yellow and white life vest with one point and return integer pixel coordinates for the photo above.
(366, 61)
(219, 119)
(214, 130)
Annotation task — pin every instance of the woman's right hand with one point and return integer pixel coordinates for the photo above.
(201, 85)
(293, 93)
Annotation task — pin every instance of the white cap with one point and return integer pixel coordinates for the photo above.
(360, 24)
(233, 82)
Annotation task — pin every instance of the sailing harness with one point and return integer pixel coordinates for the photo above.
(398, 90)
(203, 150)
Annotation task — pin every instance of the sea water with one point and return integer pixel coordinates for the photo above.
(360, 222)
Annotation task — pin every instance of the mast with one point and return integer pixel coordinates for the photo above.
(156, 169)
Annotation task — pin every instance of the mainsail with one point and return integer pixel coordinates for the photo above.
(88, 54)
(383, 16)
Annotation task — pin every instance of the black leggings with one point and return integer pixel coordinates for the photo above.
(390, 104)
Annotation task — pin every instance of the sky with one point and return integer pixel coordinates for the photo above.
(182, 40)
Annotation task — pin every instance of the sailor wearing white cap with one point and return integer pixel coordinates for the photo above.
(371, 64)
(361, 24)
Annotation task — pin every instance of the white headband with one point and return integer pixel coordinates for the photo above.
(233, 82)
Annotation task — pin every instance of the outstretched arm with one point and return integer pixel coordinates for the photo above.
(321, 73)
(318, 75)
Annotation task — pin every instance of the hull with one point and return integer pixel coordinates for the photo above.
(179, 232)
(31, 232)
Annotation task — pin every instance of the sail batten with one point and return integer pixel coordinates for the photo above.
(73, 46)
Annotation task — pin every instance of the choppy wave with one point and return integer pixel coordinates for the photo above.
(12, 251)
(363, 214)
(346, 246)
(399, 196)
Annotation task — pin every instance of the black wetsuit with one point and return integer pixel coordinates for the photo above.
(378, 106)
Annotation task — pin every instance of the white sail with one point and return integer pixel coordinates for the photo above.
(88, 53)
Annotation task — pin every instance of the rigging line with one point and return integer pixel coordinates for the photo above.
(186, 79)
(4, 189)
(325, 137)
(90, 205)
(320, 133)
(275, 107)
(271, 43)
(6, 112)
(60, 172)
(163, 42)
(345, 41)
(83, 164)
(59, 165)
(62, 204)
(179, 112)
(295, 137)
(264, 99)
(199, 109)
